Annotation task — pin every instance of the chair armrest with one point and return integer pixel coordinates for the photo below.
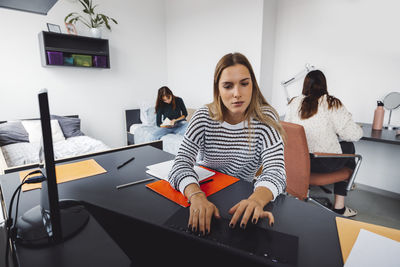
(333, 155)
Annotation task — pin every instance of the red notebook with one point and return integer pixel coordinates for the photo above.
(220, 181)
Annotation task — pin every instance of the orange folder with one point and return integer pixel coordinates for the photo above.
(220, 181)
(68, 172)
(348, 231)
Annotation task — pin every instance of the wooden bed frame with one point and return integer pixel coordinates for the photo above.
(156, 144)
(134, 117)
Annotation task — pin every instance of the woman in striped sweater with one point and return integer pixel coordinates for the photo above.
(235, 134)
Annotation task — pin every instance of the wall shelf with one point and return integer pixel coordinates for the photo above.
(57, 49)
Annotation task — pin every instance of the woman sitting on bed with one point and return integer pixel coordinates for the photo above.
(171, 113)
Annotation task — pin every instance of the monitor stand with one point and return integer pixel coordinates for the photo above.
(53, 221)
(34, 228)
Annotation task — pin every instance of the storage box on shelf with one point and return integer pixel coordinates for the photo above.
(59, 49)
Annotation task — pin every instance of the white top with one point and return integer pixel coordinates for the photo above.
(324, 127)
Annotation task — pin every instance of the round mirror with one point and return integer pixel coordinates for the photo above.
(392, 100)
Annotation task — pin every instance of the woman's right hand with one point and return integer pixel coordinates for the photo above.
(201, 211)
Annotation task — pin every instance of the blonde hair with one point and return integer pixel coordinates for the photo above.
(217, 109)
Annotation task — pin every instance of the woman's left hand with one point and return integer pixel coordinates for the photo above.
(253, 208)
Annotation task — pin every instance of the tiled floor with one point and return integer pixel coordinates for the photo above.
(372, 207)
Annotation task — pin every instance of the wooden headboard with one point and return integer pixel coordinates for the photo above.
(132, 116)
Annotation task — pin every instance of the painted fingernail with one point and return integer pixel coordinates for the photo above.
(194, 229)
(272, 224)
(207, 231)
(254, 221)
(231, 225)
(243, 226)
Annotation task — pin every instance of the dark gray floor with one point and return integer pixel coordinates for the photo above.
(372, 207)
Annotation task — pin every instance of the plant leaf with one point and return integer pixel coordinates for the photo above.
(69, 15)
(94, 20)
(105, 19)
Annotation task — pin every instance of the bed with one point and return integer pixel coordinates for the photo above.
(140, 123)
(20, 141)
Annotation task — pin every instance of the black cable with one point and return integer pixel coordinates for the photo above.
(9, 221)
(31, 180)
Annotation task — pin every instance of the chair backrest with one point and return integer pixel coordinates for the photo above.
(297, 160)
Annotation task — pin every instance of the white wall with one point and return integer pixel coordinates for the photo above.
(357, 45)
(268, 48)
(199, 33)
(355, 42)
(138, 67)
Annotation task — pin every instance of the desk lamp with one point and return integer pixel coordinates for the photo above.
(307, 68)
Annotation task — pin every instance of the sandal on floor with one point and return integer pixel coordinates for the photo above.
(348, 212)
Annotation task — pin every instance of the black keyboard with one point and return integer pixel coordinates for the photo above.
(264, 245)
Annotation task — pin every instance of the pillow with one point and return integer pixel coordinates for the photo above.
(12, 132)
(151, 116)
(34, 129)
(147, 113)
(70, 126)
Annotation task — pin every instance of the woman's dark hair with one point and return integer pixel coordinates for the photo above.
(313, 88)
(164, 91)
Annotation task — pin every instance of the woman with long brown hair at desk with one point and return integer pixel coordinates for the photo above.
(235, 134)
(325, 119)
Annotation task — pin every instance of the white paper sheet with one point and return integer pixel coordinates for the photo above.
(162, 169)
(372, 250)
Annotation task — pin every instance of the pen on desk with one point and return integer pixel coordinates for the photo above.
(126, 162)
(133, 183)
(206, 181)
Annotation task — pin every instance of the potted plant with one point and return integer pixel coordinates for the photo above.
(93, 20)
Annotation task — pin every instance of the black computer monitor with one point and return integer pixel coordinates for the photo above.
(52, 221)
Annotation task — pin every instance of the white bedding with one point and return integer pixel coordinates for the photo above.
(144, 134)
(27, 153)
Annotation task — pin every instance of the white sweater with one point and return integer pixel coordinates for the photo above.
(324, 127)
(226, 148)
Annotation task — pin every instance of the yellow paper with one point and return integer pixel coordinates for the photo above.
(68, 172)
(348, 231)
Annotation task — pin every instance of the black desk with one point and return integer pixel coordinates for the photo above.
(315, 227)
(384, 135)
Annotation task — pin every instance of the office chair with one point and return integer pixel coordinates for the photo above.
(297, 163)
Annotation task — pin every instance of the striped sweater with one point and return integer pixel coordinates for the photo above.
(228, 149)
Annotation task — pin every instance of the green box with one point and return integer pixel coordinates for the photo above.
(82, 60)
